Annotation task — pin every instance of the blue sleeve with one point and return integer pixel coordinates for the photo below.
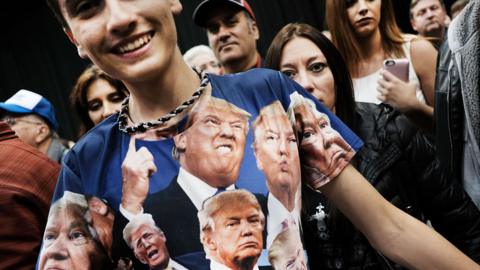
(69, 178)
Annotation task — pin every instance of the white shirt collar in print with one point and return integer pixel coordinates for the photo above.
(214, 265)
(196, 189)
(175, 266)
(277, 213)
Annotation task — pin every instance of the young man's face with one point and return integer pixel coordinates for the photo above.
(231, 36)
(130, 40)
(428, 17)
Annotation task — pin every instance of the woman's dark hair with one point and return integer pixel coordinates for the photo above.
(78, 97)
(344, 98)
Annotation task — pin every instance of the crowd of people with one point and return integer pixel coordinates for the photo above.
(352, 148)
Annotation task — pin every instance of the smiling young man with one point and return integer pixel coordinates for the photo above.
(232, 33)
(135, 41)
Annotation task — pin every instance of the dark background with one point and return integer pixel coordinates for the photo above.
(36, 55)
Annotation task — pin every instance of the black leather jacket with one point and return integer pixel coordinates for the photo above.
(400, 162)
(449, 113)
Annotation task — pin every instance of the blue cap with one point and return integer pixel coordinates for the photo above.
(28, 102)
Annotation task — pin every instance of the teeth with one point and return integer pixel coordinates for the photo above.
(153, 253)
(131, 46)
(224, 149)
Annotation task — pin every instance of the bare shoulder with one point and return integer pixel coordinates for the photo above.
(424, 59)
(327, 34)
(421, 47)
(422, 52)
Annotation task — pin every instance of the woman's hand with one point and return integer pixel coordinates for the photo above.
(397, 93)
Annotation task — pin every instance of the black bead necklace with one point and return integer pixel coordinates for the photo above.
(144, 126)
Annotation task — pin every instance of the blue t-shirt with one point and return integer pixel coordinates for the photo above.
(253, 130)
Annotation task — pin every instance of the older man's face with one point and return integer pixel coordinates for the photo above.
(322, 147)
(231, 36)
(26, 127)
(237, 235)
(68, 243)
(428, 17)
(149, 247)
(214, 144)
(276, 152)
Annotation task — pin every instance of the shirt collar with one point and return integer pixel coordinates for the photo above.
(214, 265)
(195, 188)
(6, 132)
(175, 266)
(277, 213)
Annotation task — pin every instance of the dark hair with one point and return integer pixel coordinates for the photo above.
(78, 96)
(413, 3)
(344, 38)
(344, 98)
(457, 6)
(54, 6)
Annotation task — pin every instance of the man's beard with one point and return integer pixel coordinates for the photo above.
(435, 32)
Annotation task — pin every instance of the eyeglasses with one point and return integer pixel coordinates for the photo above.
(13, 121)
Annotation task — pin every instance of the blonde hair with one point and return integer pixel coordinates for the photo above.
(297, 100)
(278, 248)
(274, 109)
(195, 51)
(135, 223)
(209, 101)
(69, 200)
(225, 201)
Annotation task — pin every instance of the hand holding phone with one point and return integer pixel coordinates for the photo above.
(398, 67)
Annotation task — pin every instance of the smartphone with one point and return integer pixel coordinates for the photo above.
(398, 67)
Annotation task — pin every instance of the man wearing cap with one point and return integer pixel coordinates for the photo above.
(232, 33)
(32, 117)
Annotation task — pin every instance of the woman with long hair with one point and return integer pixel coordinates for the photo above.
(366, 34)
(396, 158)
(96, 96)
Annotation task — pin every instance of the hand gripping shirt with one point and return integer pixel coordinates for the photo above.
(208, 202)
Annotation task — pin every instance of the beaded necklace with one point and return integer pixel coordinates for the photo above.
(144, 126)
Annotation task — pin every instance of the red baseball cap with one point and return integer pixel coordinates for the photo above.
(200, 15)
